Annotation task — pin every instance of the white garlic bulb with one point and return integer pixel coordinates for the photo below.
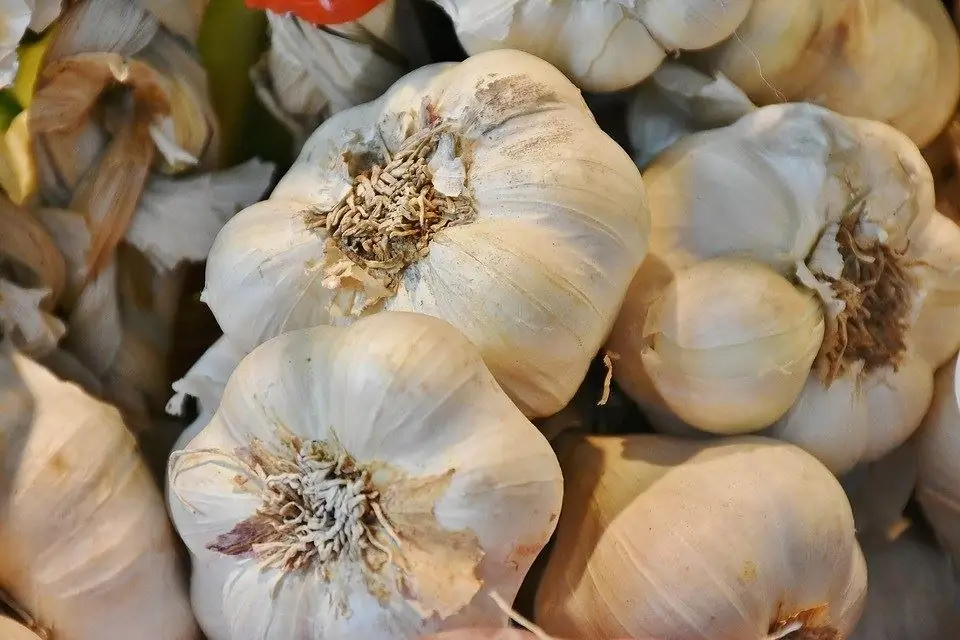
(481, 193)
(739, 337)
(605, 45)
(87, 548)
(895, 61)
(913, 592)
(938, 484)
(837, 206)
(453, 491)
(669, 538)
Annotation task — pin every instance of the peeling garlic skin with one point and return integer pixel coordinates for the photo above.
(524, 237)
(453, 518)
(603, 45)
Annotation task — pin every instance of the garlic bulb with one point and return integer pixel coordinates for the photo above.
(879, 491)
(913, 593)
(938, 483)
(11, 630)
(603, 46)
(87, 548)
(840, 207)
(481, 193)
(678, 100)
(398, 414)
(670, 538)
(895, 61)
(736, 335)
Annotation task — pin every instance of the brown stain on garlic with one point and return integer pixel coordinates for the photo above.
(748, 572)
(58, 465)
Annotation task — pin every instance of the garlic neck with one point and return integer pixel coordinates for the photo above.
(318, 506)
(397, 204)
(868, 292)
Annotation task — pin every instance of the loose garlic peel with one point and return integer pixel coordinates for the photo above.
(481, 193)
(637, 552)
(939, 471)
(604, 46)
(841, 206)
(323, 415)
(846, 55)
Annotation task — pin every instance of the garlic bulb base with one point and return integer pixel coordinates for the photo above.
(875, 291)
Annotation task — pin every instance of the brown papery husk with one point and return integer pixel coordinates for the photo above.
(813, 626)
(25, 243)
(877, 289)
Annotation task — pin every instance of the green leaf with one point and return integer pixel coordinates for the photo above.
(9, 108)
(232, 39)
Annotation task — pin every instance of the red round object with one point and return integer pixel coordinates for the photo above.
(319, 11)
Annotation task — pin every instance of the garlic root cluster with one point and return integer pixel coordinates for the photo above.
(799, 280)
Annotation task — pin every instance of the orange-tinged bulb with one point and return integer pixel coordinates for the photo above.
(318, 11)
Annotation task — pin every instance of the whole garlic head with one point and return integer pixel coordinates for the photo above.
(671, 538)
(839, 206)
(603, 45)
(482, 193)
(371, 481)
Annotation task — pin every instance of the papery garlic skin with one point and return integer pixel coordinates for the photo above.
(781, 186)
(15, 17)
(858, 420)
(858, 57)
(669, 538)
(604, 45)
(87, 547)
(678, 100)
(555, 224)
(738, 337)
(409, 397)
(938, 486)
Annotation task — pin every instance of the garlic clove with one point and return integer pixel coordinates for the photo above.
(936, 332)
(858, 418)
(692, 24)
(730, 345)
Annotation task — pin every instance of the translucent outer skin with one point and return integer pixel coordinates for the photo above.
(401, 389)
(535, 281)
(670, 538)
(603, 45)
(87, 547)
(766, 188)
(938, 487)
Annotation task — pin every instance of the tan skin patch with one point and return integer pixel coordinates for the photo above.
(748, 572)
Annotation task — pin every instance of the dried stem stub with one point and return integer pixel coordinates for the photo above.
(319, 506)
(877, 289)
(805, 625)
(388, 218)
